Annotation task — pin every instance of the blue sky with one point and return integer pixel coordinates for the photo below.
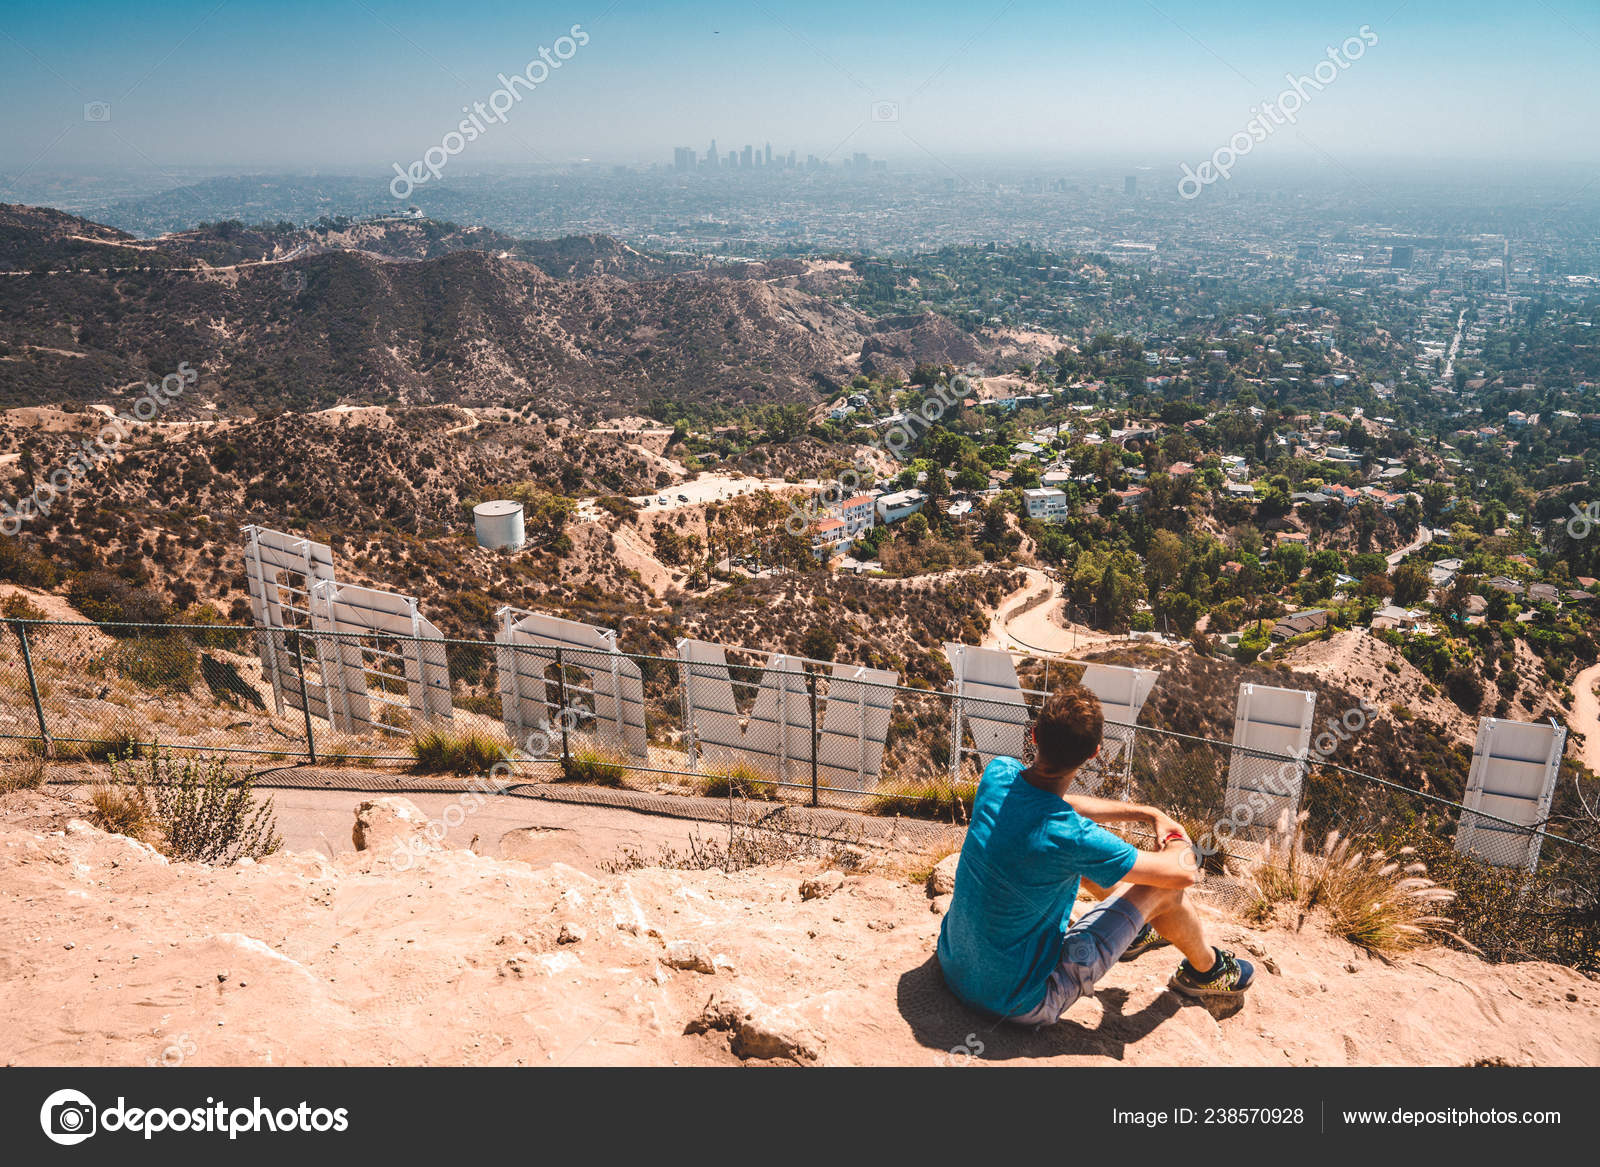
(363, 83)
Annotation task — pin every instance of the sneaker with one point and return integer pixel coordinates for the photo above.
(1147, 940)
(1229, 977)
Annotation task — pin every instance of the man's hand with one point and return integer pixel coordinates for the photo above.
(1163, 826)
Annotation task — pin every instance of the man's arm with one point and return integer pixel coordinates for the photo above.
(1172, 866)
(1110, 810)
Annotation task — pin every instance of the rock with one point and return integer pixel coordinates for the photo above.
(1271, 966)
(942, 880)
(1351, 968)
(391, 821)
(821, 886)
(758, 1030)
(880, 925)
(940, 905)
(570, 934)
(691, 955)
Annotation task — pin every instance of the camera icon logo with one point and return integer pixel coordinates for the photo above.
(68, 1117)
(97, 111)
(294, 281)
(885, 111)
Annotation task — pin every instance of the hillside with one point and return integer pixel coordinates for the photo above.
(417, 312)
(113, 956)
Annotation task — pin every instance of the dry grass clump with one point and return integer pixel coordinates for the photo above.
(593, 766)
(25, 773)
(120, 810)
(451, 751)
(763, 844)
(1383, 903)
(939, 799)
(739, 780)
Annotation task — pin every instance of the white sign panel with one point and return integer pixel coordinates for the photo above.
(1513, 778)
(989, 702)
(855, 725)
(1122, 693)
(280, 571)
(601, 685)
(1271, 737)
(383, 655)
(775, 739)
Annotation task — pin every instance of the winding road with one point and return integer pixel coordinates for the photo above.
(1424, 537)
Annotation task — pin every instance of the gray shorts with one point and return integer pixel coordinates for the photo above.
(1088, 950)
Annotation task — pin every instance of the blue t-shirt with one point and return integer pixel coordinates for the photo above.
(1025, 852)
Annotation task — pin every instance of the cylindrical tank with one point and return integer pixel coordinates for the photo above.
(498, 524)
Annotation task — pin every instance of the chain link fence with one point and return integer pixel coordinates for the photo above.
(721, 735)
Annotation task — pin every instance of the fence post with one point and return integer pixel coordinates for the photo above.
(305, 699)
(21, 629)
(561, 713)
(811, 690)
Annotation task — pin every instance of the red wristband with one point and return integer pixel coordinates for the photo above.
(1171, 835)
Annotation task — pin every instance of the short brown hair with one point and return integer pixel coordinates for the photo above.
(1069, 728)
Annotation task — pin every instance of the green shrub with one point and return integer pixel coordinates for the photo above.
(17, 606)
(738, 781)
(198, 809)
(939, 799)
(448, 751)
(209, 616)
(593, 767)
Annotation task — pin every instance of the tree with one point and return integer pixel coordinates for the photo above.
(1164, 560)
(1291, 560)
(819, 643)
(1410, 585)
(970, 478)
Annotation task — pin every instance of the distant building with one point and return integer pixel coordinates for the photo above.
(858, 513)
(1400, 619)
(827, 536)
(1043, 502)
(1299, 623)
(902, 504)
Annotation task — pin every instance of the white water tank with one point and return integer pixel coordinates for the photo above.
(498, 524)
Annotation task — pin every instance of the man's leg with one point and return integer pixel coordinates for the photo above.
(1167, 911)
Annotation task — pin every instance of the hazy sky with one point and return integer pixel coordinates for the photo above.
(365, 83)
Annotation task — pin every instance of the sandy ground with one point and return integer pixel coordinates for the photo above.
(1041, 628)
(1358, 661)
(112, 955)
(711, 488)
(534, 830)
(1586, 716)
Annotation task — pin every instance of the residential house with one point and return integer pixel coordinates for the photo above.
(899, 505)
(1045, 502)
(1298, 623)
(857, 513)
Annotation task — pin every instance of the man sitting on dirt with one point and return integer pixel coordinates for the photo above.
(1008, 946)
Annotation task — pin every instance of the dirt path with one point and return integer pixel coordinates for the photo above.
(1586, 716)
(1041, 628)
